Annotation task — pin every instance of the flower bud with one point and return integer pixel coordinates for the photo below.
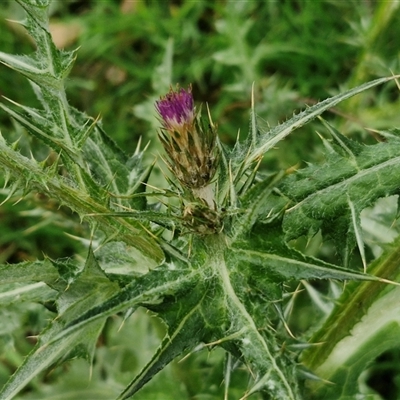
(190, 145)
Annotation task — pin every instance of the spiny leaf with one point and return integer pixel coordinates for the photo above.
(57, 187)
(85, 289)
(123, 176)
(101, 160)
(372, 165)
(87, 152)
(347, 312)
(81, 344)
(254, 205)
(285, 264)
(43, 355)
(321, 193)
(244, 335)
(353, 336)
(55, 62)
(346, 147)
(28, 271)
(39, 124)
(27, 292)
(163, 219)
(267, 141)
(35, 9)
(150, 288)
(195, 310)
(357, 232)
(89, 288)
(186, 329)
(33, 68)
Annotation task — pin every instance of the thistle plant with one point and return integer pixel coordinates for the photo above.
(192, 157)
(191, 147)
(216, 245)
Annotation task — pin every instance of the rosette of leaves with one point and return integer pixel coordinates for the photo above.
(215, 259)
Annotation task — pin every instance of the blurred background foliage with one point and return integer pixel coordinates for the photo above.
(295, 52)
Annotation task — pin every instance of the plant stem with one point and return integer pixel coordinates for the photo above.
(254, 345)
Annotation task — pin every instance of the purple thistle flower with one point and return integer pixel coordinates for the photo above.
(190, 144)
(176, 109)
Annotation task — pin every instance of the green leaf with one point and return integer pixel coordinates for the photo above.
(331, 196)
(86, 289)
(59, 188)
(33, 292)
(122, 262)
(272, 371)
(255, 205)
(278, 262)
(123, 176)
(100, 177)
(28, 271)
(158, 290)
(89, 288)
(39, 123)
(354, 354)
(45, 354)
(364, 324)
(295, 266)
(267, 141)
(267, 250)
(187, 327)
(148, 289)
(33, 68)
(197, 310)
(160, 218)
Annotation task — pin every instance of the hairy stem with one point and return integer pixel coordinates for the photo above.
(254, 345)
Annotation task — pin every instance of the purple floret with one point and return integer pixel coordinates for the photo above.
(189, 144)
(176, 107)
